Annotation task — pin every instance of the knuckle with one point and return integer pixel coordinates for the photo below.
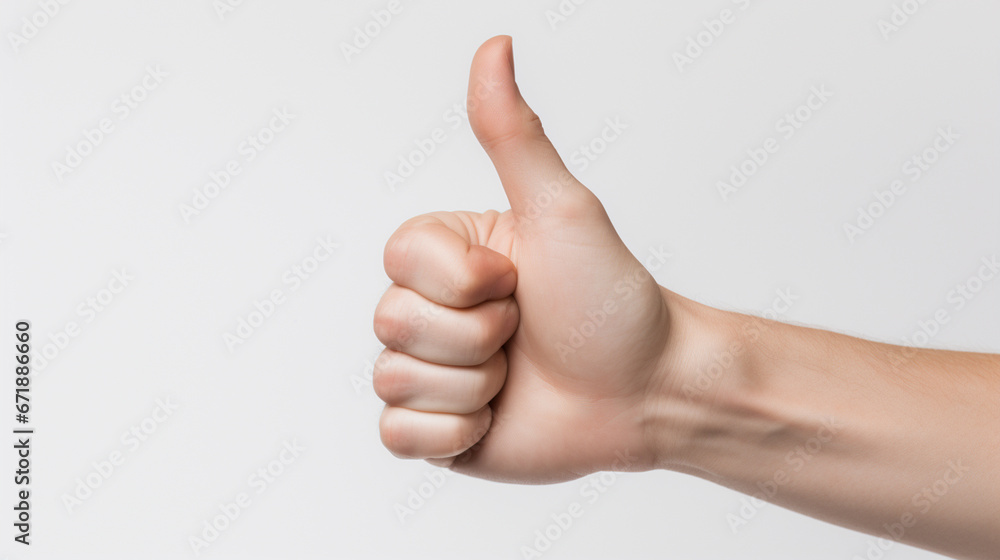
(498, 138)
(394, 434)
(391, 327)
(391, 382)
(579, 204)
(529, 125)
(387, 328)
(396, 252)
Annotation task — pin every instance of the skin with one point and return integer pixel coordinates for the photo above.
(530, 346)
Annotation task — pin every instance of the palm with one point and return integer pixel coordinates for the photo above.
(576, 373)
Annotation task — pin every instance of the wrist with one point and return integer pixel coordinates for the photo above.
(699, 394)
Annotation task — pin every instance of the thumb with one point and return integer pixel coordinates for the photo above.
(533, 175)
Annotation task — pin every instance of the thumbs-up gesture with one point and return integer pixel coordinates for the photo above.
(520, 346)
(531, 346)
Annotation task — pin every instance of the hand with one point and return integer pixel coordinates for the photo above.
(531, 346)
(520, 345)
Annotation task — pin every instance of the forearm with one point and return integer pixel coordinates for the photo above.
(883, 439)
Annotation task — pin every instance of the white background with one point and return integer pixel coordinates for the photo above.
(302, 374)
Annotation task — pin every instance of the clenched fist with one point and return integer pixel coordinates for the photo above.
(520, 346)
